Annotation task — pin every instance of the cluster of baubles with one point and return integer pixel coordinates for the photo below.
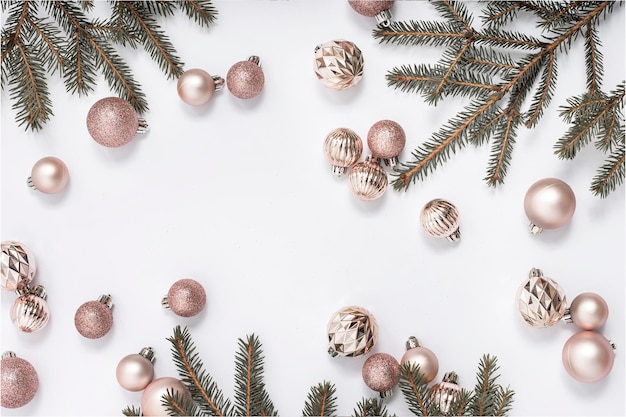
(353, 331)
(587, 355)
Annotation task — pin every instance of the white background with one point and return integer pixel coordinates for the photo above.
(238, 195)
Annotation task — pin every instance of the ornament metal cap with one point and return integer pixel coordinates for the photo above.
(451, 377)
(106, 299)
(8, 354)
(535, 272)
(255, 59)
(38, 291)
(385, 394)
(412, 342)
(534, 229)
(165, 303)
(383, 18)
(148, 353)
(219, 82)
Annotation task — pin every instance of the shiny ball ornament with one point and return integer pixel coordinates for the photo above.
(94, 319)
(154, 392)
(417, 355)
(444, 393)
(368, 180)
(49, 175)
(352, 331)
(440, 219)
(196, 87)
(386, 139)
(113, 122)
(186, 298)
(245, 79)
(540, 300)
(18, 267)
(588, 311)
(374, 8)
(342, 148)
(30, 312)
(381, 372)
(135, 371)
(19, 381)
(549, 204)
(588, 356)
(338, 64)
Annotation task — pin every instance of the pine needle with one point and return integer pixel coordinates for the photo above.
(321, 400)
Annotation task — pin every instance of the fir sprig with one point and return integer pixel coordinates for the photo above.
(371, 407)
(321, 400)
(489, 397)
(415, 389)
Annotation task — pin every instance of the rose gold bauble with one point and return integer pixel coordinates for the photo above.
(368, 180)
(18, 267)
(540, 300)
(30, 312)
(135, 371)
(370, 8)
(49, 175)
(112, 122)
(19, 381)
(338, 64)
(196, 86)
(186, 298)
(588, 356)
(94, 319)
(245, 79)
(342, 148)
(352, 331)
(444, 393)
(154, 392)
(440, 219)
(588, 311)
(381, 372)
(386, 139)
(417, 355)
(549, 204)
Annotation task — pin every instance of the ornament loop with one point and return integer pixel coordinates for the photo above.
(383, 18)
(142, 126)
(255, 59)
(219, 82)
(31, 185)
(8, 354)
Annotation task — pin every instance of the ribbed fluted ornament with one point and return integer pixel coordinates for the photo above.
(30, 311)
(440, 219)
(18, 266)
(343, 148)
(352, 331)
(540, 300)
(444, 393)
(338, 64)
(368, 180)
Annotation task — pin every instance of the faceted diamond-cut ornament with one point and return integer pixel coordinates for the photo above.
(540, 300)
(18, 265)
(338, 64)
(352, 331)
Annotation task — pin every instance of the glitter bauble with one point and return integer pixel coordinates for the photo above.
(152, 396)
(386, 139)
(49, 175)
(245, 79)
(418, 356)
(186, 298)
(368, 180)
(352, 331)
(342, 148)
(370, 8)
(540, 300)
(338, 64)
(112, 122)
(30, 311)
(18, 266)
(549, 204)
(381, 372)
(444, 393)
(440, 219)
(588, 356)
(135, 371)
(94, 319)
(19, 381)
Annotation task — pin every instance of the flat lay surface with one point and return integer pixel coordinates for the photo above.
(238, 195)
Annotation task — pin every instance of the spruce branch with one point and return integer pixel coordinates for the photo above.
(131, 411)
(201, 11)
(415, 390)
(611, 174)
(321, 400)
(489, 398)
(178, 404)
(371, 407)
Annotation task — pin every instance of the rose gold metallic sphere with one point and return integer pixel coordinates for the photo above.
(342, 149)
(370, 8)
(19, 381)
(549, 204)
(18, 267)
(49, 175)
(196, 86)
(386, 139)
(422, 357)
(154, 392)
(245, 79)
(112, 122)
(368, 180)
(135, 371)
(186, 298)
(94, 319)
(588, 356)
(381, 372)
(30, 312)
(589, 311)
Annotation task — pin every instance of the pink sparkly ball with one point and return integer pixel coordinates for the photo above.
(19, 381)
(245, 79)
(370, 8)
(386, 139)
(94, 319)
(381, 372)
(186, 298)
(112, 122)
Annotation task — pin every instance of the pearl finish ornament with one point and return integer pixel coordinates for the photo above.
(18, 267)
(135, 371)
(549, 204)
(588, 356)
(342, 148)
(49, 175)
(440, 219)
(113, 122)
(540, 300)
(368, 180)
(94, 319)
(245, 79)
(186, 298)
(338, 64)
(444, 393)
(352, 331)
(19, 381)
(30, 312)
(386, 139)
(154, 392)
(588, 311)
(417, 355)
(374, 8)
(196, 86)
(381, 372)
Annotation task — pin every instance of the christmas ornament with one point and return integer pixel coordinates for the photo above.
(113, 122)
(338, 64)
(588, 356)
(19, 381)
(368, 180)
(440, 218)
(152, 397)
(446, 392)
(49, 175)
(378, 9)
(381, 372)
(417, 355)
(94, 319)
(30, 311)
(588, 311)
(245, 79)
(352, 331)
(549, 204)
(186, 298)
(342, 148)
(540, 300)
(196, 87)
(18, 265)
(135, 371)
(386, 140)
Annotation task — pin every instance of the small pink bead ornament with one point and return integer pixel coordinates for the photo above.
(343, 148)
(368, 180)
(94, 319)
(245, 79)
(588, 311)
(18, 267)
(386, 139)
(444, 393)
(549, 204)
(186, 298)
(440, 219)
(113, 122)
(20, 381)
(416, 355)
(135, 371)
(49, 175)
(379, 9)
(196, 86)
(381, 373)
(30, 312)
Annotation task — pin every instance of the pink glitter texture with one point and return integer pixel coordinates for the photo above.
(93, 319)
(112, 122)
(19, 382)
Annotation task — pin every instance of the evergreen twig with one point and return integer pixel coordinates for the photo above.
(415, 390)
(131, 411)
(371, 407)
(321, 400)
